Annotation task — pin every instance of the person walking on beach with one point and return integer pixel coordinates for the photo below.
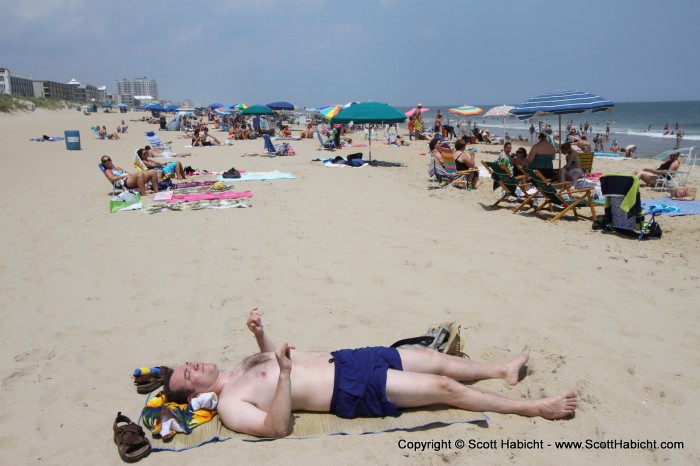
(418, 123)
(258, 396)
(532, 132)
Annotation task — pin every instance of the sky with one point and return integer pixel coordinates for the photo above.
(322, 52)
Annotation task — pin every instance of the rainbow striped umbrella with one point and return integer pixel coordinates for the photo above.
(466, 110)
(331, 111)
(240, 107)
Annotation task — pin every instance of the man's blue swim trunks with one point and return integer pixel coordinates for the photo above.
(359, 389)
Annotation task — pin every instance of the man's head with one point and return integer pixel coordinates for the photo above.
(542, 136)
(188, 380)
(566, 148)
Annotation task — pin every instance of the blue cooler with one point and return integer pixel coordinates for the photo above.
(72, 140)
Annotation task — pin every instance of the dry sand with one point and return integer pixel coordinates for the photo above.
(335, 258)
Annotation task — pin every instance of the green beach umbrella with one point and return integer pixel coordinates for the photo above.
(370, 112)
(257, 110)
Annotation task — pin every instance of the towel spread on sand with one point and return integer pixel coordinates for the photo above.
(199, 205)
(166, 419)
(209, 196)
(671, 207)
(259, 176)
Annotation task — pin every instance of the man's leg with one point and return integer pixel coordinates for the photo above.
(412, 390)
(428, 361)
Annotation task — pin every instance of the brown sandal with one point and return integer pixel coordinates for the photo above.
(130, 440)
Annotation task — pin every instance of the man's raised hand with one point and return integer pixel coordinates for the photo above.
(284, 358)
(255, 322)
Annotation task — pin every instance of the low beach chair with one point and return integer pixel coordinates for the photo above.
(459, 177)
(155, 142)
(562, 194)
(328, 145)
(96, 132)
(271, 149)
(512, 186)
(623, 207)
(113, 185)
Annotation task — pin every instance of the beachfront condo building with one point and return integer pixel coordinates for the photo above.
(53, 90)
(139, 86)
(84, 92)
(16, 83)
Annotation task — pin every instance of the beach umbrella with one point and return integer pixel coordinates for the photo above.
(107, 105)
(562, 103)
(370, 112)
(502, 111)
(499, 112)
(466, 110)
(350, 104)
(240, 107)
(221, 111)
(413, 110)
(280, 106)
(331, 111)
(665, 154)
(257, 110)
(215, 105)
(122, 105)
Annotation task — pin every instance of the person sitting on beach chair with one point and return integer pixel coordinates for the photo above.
(122, 179)
(173, 168)
(649, 176)
(257, 396)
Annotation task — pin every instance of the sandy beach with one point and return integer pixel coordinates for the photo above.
(334, 258)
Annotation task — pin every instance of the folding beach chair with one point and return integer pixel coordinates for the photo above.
(560, 194)
(328, 145)
(155, 142)
(459, 177)
(114, 186)
(512, 186)
(271, 149)
(97, 133)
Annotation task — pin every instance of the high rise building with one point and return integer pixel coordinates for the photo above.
(139, 86)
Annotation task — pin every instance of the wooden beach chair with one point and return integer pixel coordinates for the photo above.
(562, 194)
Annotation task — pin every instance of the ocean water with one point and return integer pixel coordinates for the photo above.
(629, 123)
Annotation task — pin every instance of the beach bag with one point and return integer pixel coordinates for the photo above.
(444, 337)
(232, 173)
(165, 184)
(125, 201)
(683, 193)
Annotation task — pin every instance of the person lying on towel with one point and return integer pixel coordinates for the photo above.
(258, 395)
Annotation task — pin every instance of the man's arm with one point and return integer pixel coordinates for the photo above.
(255, 325)
(244, 417)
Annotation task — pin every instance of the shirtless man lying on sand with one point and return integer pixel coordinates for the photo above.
(257, 396)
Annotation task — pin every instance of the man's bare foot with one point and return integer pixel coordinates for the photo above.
(557, 407)
(512, 369)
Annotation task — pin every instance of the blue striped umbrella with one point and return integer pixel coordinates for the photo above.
(562, 103)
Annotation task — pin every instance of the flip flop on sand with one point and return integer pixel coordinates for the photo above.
(130, 439)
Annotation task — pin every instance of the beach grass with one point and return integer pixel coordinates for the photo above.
(9, 103)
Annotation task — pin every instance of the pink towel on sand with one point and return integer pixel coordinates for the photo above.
(209, 196)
